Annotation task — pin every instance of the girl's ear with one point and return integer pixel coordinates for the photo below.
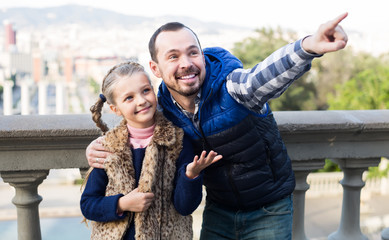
(115, 110)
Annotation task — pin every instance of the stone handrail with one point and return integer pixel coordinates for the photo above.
(32, 145)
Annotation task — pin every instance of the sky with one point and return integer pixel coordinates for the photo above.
(299, 15)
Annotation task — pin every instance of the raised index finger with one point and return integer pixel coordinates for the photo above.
(338, 19)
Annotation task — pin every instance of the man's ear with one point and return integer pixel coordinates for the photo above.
(154, 68)
(115, 110)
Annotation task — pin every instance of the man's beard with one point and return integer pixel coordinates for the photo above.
(189, 92)
(192, 90)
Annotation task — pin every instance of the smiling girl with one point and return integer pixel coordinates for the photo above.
(152, 181)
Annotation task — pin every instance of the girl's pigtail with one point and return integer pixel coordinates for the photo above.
(96, 114)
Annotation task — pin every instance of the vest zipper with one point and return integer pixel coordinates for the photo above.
(233, 186)
(208, 147)
(269, 162)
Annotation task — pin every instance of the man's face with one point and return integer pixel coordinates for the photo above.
(181, 62)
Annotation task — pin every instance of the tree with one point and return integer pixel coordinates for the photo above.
(263, 43)
(340, 80)
(369, 89)
(328, 71)
(301, 96)
(93, 85)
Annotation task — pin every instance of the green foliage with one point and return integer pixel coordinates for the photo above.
(369, 89)
(298, 97)
(264, 42)
(79, 181)
(340, 80)
(255, 49)
(94, 86)
(330, 166)
(329, 70)
(375, 172)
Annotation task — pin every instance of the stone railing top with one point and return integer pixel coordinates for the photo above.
(335, 134)
(42, 142)
(16, 126)
(345, 121)
(59, 141)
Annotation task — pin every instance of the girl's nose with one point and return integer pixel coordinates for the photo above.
(141, 100)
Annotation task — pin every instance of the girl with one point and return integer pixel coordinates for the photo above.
(151, 182)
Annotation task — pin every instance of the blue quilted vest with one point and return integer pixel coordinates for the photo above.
(255, 169)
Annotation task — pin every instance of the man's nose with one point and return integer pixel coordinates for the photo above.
(185, 62)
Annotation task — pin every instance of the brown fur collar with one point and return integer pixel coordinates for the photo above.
(161, 220)
(164, 134)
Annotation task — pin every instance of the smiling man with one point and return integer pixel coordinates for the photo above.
(223, 107)
(180, 62)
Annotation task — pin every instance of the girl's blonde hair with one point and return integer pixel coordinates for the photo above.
(119, 71)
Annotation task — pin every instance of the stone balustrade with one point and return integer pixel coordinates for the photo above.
(32, 145)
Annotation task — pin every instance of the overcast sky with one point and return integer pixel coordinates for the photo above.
(305, 15)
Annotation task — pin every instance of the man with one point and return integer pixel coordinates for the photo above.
(223, 107)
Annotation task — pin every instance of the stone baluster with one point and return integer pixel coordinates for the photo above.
(25, 98)
(59, 97)
(7, 98)
(349, 227)
(42, 102)
(301, 170)
(26, 201)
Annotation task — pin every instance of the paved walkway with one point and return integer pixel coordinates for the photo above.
(322, 214)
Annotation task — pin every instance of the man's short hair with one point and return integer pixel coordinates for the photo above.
(168, 27)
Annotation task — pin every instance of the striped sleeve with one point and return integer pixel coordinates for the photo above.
(269, 78)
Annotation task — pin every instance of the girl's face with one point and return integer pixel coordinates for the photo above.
(135, 100)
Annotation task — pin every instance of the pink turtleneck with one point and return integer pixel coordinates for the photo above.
(140, 137)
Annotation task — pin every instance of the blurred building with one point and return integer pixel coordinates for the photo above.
(10, 36)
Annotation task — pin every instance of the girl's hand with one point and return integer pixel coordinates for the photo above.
(135, 201)
(194, 168)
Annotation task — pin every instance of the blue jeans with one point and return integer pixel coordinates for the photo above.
(271, 222)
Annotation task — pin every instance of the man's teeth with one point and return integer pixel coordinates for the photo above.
(188, 76)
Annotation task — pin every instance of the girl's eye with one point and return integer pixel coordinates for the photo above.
(129, 98)
(147, 90)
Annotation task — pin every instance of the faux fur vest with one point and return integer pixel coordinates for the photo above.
(161, 221)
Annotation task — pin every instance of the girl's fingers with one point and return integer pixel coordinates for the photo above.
(202, 155)
(195, 160)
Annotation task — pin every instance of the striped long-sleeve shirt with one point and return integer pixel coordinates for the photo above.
(266, 80)
(269, 78)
